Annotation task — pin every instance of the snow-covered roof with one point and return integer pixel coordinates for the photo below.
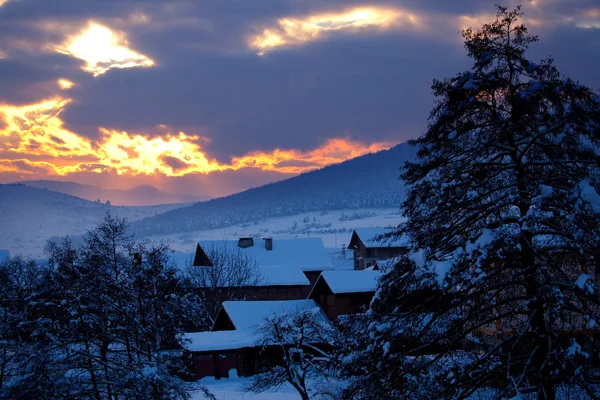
(4, 255)
(387, 263)
(368, 237)
(308, 254)
(277, 276)
(248, 315)
(341, 264)
(351, 281)
(219, 340)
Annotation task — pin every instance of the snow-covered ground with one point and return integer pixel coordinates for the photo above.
(334, 227)
(233, 389)
(25, 228)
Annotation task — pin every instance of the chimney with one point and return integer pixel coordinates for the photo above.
(245, 242)
(269, 244)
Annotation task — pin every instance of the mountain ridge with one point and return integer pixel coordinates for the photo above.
(29, 216)
(143, 195)
(368, 181)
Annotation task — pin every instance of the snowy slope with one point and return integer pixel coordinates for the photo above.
(29, 216)
(369, 181)
(333, 227)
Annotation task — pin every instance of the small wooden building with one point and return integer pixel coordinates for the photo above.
(370, 245)
(345, 291)
(233, 342)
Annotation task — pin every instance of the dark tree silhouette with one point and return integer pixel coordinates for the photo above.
(503, 215)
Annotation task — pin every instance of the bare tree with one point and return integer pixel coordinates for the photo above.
(231, 273)
(304, 340)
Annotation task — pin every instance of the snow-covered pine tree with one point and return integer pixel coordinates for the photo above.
(118, 307)
(501, 289)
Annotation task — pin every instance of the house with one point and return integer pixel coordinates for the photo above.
(344, 291)
(233, 342)
(305, 254)
(370, 245)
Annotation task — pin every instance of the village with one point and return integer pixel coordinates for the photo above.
(294, 274)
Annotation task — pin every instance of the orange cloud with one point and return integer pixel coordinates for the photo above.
(294, 162)
(34, 141)
(295, 31)
(65, 84)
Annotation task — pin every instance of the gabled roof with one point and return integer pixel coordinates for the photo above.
(248, 315)
(308, 254)
(368, 237)
(4, 255)
(341, 281)
(277, 276)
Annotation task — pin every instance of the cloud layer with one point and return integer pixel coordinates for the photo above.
(222, 95)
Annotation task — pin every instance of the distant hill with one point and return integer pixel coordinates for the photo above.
(29, 216)
(369, 181)
(137, 196)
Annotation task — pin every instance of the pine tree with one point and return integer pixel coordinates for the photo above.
(503, 214)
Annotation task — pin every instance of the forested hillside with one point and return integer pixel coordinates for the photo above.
(369, 181)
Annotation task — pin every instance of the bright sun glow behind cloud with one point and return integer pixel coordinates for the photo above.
(103, 49)
(35, 141)
(295, 31)
(65, 84)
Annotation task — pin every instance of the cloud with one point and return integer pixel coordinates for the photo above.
(36, 133)
(65, 84)
(292, 31)
(337, 77)
(102, 49)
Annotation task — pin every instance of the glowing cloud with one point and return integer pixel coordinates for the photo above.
(65, 84)
(34, 141)
(103, 49)
(296, 31)
(590, 19)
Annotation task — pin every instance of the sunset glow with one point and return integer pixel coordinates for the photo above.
(65, 84)
(295, 31)
(103, 49)
(35, 140)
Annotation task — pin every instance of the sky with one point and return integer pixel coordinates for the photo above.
(210, 97)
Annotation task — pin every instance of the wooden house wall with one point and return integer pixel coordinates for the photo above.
(339, 304)
(366, 257)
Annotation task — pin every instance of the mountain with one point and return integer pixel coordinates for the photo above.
(137, 196)
(29, 216)
(369, 181)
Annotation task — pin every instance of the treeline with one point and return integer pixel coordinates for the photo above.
(99, 321)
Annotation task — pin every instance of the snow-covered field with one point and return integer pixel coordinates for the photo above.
(25, 226)
(334, 227)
